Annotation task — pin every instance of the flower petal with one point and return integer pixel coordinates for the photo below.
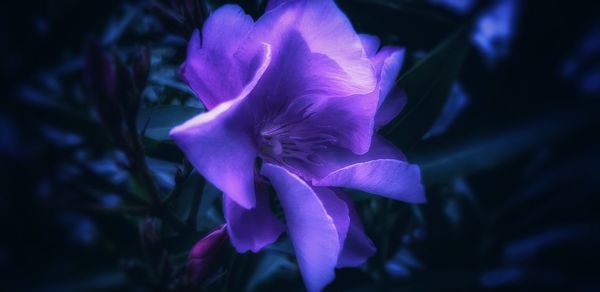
(388, 63)
(370, 43)
(311, 229)
(349, 119)
(327, 31)
(252, 229)
(382, 171)
(273, 4)
(391, 107)
(210, 69)
(337, 209)
(358, 247)
(220, 145)
(302, 85)
(222, 153)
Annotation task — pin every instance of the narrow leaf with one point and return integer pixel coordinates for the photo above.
(162, 150)
(182, 205)
(427, 85)
(478, 153)
(156, 122)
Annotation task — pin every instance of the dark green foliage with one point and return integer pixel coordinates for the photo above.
(110, 203)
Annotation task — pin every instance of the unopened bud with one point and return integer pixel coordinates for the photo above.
(141, 68)
(101, 78)
(99, 73)
(150, 237)
(203, 260)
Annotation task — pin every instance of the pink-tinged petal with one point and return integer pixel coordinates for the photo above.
(326, 31)
(206, 255)
(252, 229)
(311, 229)
(370, 43)
(358, 247)
(391, 107)
(210, 69)
(382, 171)
(220, 143)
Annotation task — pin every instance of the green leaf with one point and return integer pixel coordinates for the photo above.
(182, 243)
(359, 195)
(208, 215)
(473, 154)
(181, 206)
(162, 150)
(419, 8)
(101, 281)
(156, 122)
(270, 266)
(167, 82)
(427, 85)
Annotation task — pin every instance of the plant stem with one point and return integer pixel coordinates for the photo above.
(384, 208)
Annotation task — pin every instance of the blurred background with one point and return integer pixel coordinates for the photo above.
(502, 118)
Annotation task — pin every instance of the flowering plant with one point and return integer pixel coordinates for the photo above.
(288, 106)
(372, 145)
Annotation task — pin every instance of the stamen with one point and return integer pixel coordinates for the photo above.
(289, 137)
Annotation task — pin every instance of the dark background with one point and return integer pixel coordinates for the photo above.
(512, 176)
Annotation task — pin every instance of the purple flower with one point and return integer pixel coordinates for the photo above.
(294, 100)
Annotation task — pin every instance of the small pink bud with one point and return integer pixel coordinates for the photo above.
(203, 260)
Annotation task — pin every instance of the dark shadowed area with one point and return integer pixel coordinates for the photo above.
(502, 117)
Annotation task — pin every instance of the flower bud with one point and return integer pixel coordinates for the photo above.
(203, 260)
(99, 73)
(131, 82)
(101, 78)
(141, 68)
(151, 239)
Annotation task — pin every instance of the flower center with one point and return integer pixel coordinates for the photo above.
(294, 139)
